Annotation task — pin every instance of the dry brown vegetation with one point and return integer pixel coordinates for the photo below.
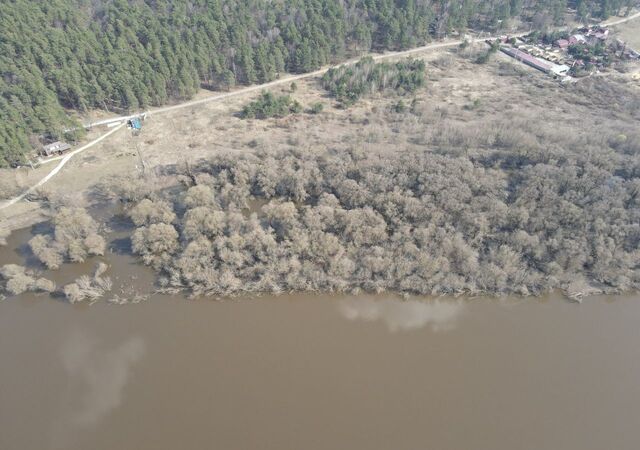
(19, 279)
(414, 222)
(75, 237)
(89, 288)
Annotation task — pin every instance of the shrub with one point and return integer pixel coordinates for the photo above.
(400, 107)
(348, 83)
(147, 212)
(18, 280)
(89, 288)
(45, 285)
(485, 57)
(270, 105)
(156, 244)
(410, 221)
(316, 108)
(19, 284)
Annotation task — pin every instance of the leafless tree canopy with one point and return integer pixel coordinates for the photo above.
(74, 238)
(89, 288)
(412, 221)
(18, 279)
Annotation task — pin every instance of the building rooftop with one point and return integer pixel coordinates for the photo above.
(55, 147)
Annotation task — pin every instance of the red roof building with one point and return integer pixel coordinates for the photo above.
(526, 58)
(577, 39)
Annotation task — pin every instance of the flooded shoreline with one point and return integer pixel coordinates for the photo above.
(315, 371)
(312, 372)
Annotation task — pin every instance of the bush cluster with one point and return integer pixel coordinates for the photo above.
(89, 288)
(270, 105)
(75, 237)
(18, 279)
(348, 83)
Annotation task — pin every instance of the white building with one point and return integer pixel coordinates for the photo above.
(559, 69)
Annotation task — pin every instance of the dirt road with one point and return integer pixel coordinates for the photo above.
(619, 21)
(57, 169)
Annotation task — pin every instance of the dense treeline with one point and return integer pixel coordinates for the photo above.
(411, 221)
(124, 55)
(600, 8)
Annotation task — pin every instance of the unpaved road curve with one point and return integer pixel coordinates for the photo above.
(291, 78)
(57, 168)
(619, 21)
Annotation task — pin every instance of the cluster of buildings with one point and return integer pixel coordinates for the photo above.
(546, 66)
(569, 52)
(585, 36)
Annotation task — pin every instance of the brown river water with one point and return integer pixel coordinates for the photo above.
(315, 372)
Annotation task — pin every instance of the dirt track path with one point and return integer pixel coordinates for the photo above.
(57, 168)
(277, 82)
(619, 21)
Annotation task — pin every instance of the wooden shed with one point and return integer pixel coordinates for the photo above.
(54, 148)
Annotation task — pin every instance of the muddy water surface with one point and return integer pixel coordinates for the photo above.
(315, 372)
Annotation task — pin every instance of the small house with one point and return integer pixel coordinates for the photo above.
(54, 148)
(562, 43)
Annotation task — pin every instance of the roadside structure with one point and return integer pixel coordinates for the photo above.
(54, 148)
(544, 66)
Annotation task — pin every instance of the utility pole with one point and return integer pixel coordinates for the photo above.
(140, 159)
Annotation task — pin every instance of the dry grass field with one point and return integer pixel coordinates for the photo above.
(629, 32)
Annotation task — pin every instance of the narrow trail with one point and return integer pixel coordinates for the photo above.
(321, 71)
(619, 21)
(243, 91)
(57, 169)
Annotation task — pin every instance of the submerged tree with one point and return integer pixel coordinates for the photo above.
(412, 221)
(75, 237)
(19, 279)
